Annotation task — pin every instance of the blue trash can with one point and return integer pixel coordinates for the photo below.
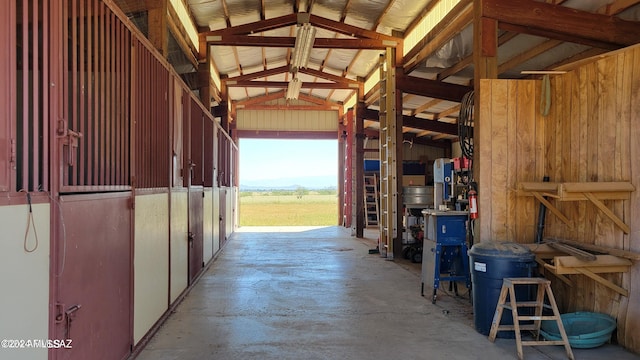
(491, 262)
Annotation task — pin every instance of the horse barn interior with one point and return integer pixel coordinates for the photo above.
(119, 157)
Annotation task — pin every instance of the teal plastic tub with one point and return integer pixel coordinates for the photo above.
(585, 330)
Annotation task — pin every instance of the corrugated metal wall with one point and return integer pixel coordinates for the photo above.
(293, 120)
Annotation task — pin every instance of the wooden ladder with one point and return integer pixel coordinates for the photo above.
(371, 199)
(543, 287)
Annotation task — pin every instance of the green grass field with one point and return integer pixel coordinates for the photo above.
(288, 209)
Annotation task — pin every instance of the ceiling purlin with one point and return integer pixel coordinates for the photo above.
(376, 23)
(225, 10)
(447, 112)
(526, 55)
(264, 67)
(462, 64)
(310, 4)
(617, 7)
(426, 10)
(425, 106)
(343, 16)
(345, 10)
(351, 30)
(562, 23)
(577, 57)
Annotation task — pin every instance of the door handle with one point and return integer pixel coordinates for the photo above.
(69, 315)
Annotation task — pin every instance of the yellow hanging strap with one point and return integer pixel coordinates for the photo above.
(545, 99)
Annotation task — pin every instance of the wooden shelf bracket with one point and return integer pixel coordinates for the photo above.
(595, 192)
(565, 265)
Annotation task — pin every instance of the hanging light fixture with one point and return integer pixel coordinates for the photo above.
(293, 89)
(305, 37)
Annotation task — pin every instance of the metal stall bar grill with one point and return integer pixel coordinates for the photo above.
(32, 96)
(95, 136)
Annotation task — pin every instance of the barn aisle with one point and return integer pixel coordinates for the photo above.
(316, 293)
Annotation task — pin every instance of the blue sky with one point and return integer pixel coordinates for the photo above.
(262, 159)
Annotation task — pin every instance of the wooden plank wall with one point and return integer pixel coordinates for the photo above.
(592, 133)
(511, 150)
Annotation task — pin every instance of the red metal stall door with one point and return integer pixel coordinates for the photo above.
(195, 233)
(94, 277)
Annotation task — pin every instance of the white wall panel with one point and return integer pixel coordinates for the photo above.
(216, 220)
(207, 222)
(231, 211)
(151, 262)
(24, 303)
(179, 243)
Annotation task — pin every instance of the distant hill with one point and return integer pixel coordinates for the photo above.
(307, 182)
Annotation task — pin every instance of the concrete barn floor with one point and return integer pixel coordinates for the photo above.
(316, 293)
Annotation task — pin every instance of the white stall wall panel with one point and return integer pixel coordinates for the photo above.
(216, 220)
(293, 120)
(236, 214)
(151, 262)
(24, 303)
(207, 223)
(179, 243)
(230, 212)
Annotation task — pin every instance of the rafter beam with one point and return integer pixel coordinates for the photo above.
(432, 88)
(289, 42)
(418, 123)
(351, 30)
(292, 19)
(289, 107)
(261, 99)
(284, 84)
(259, 74)
(254, 27)
(561, 23)
(327, 76)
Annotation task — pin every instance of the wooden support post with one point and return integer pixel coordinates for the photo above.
(205, 85)
(359, 209)
(158, 26)
(485, 62)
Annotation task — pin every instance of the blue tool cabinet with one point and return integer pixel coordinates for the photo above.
(444, 250)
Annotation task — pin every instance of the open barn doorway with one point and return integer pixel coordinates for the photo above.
(288, 182)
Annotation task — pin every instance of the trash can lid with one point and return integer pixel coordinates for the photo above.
(501, 249)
